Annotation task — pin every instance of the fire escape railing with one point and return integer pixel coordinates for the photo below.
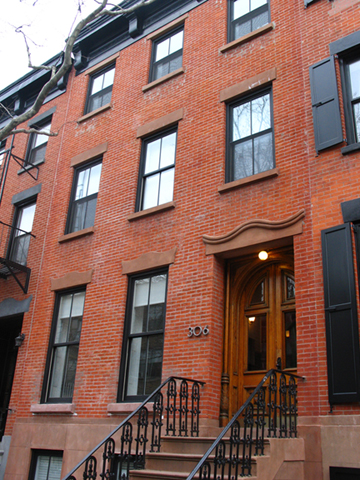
(272, 406)
(179, 411)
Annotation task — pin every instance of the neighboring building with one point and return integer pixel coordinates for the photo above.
(191, 135)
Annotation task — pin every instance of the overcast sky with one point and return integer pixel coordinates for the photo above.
(49, 23)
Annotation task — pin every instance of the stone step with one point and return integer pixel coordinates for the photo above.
(161, 475)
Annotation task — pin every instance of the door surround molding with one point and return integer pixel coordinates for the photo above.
(255, 233)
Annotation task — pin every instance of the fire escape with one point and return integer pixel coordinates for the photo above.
(9, 267)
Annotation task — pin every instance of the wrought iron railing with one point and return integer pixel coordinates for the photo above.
(177, 409)
(271, 407)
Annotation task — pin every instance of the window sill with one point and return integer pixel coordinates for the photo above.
(247, 38)
(121, 408)
(163, 79)
(53, 408)
(354, 147)
(78, 234)
(94, 112)
(151, 211)
(30, 167)
(248, 180)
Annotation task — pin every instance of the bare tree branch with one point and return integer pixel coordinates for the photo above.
(35, 130)
(57, 74)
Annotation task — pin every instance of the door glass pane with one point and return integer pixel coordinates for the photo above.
(290, 339)
(256, 342)
(259, 294)
(290, 288)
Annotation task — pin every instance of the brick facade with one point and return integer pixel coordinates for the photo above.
(317, 183)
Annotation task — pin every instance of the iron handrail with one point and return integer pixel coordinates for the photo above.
(234, 419)
(129, 417)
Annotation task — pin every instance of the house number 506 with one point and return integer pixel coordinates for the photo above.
(197, 331)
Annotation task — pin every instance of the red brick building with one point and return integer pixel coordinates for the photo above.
(191, 135)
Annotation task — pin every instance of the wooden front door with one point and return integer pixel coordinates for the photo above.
(260, 323)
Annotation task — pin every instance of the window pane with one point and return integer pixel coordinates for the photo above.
(260, 20)
(140, 303)
(137, 350)
(162, 49)
(40, 139)
(166, 186)
(95, 102)
(154, 363)
(37, 154)
(94, 180)
(57, 372)
(242, 29)
(109, 78)
(241, 121)
(257, 3)
(290, 288)
(152, 156)
(26, 219)
(161, 69)
(20, 248)
(355, 79)
(263, 153)
(241, 7)
(97, 84)
(243, 160)
(175, 63)
(42, 467)
(176, 42)
(151, 191)
(55, 468)
(70, 371)
(168, 150)
(158, 289)
(357, 120)
(260, 114)
(90, 207)
(256, 342)
(290, 339)
(82, 184)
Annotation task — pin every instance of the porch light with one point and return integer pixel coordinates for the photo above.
(263, 255)
(251, 319)
(19, 340)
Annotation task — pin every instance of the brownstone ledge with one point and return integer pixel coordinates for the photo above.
(149, 261)
(122, 408)
(274, 172)
(53, 408)
(163, 79)
(71, 280)
(151, 211)
(248, 37)
(78, 234)
(94, 112)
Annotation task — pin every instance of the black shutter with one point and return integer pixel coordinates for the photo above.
(342, 334)
(325, 104)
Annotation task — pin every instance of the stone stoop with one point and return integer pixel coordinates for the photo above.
(283, 459)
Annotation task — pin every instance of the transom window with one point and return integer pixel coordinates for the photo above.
(20, 238)
(37, 145)
(251, 149)
(144, 336)
(167, 54)
(84, 197)
(64, 346)
(157, 171)
(247, 16)
(100, 89)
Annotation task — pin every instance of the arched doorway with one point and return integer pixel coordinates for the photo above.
(260, 323)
